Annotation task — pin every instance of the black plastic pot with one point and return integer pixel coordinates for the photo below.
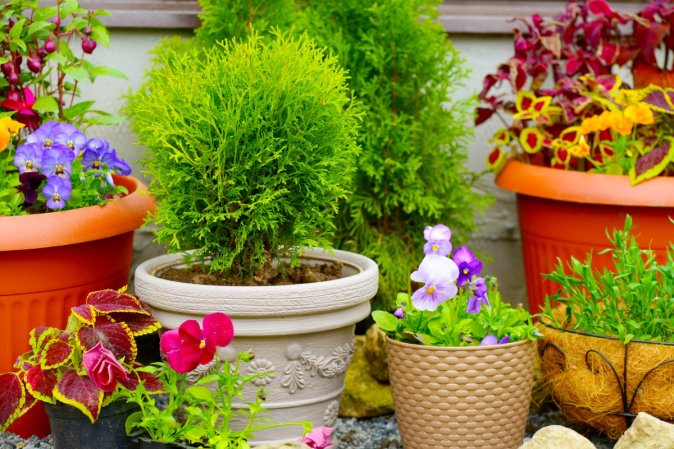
(71, 429)
(146, 443)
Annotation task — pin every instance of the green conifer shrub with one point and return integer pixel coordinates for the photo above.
(413, 168)
(250, 146)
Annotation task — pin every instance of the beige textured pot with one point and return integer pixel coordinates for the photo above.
(302, 333)
(461, 397)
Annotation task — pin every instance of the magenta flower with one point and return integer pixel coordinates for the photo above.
(188, 346)
(103, 368)
(438, 274)
(479, 289)
(437, 240)
(28, 157)
(318, 438)
(57, 191)
(469, 265)
(491, 340)
(22, 102)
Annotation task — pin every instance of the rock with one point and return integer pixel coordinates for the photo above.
(557, 437)
(647, 432)
(363, 395)
(375, 353)
(283, 446)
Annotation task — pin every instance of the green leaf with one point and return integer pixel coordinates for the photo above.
(37, 26)
(107, 71)
(65, 50)
(46, 104)
(200, 393)
(386, 321)
(78, 109)
(58, 58)
(17, 29)
(44, 13)
(104, 119)
(68, 7)
(100, 34)
(79, 74)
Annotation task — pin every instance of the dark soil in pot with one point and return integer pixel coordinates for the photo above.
(267, 275)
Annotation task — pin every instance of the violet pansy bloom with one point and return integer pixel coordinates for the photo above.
(437, 240)
(399, 313)
(57, 161)
(491, 340)
(469, 265)
(28, 157)
(71, 137)
(438, 274)
(44, 135)
(479, 298)
(57, 191)
(188, 346)
(30, 183)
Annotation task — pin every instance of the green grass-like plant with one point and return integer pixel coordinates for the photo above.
(634, 300)
(250, 145)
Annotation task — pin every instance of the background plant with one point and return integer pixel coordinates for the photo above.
(634, 300)
(250, 146)
(413, 167)
(454, 305)
(43, 58)
(87, 365)
(553, 80)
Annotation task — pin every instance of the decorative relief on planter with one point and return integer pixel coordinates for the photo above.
(264, 368)
(200, 371)
(330, 417)
(301, 361)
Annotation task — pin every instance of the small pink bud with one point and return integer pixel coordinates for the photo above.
(57, 21)
(7, 68)
(49, 45)
(13, 78)
(34, 64)
(41, 53)
(87, 30)
(88, 45)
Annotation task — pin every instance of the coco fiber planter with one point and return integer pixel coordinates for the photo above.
(600, 381)
(461, 397)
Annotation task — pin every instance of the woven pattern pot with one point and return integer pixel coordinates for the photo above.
(461, 398)
(601, 382)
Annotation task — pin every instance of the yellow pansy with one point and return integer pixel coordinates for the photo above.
(620, 124)
(640, 114)
(581, 149)
(8, 129)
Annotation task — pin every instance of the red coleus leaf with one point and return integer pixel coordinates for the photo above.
(573, 65)
(40, 383)
(117, 337)
(81, 393)
(652, 163)
(602, 8)
(108, 301)
(661, 100)
(138, 324)
(608, 52)
(56, 353)
(151, 383)
(649, 39)
(483, 114)
(85, 313)
(12, 398)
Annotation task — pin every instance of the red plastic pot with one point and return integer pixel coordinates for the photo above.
(50, 262)
(565, 213)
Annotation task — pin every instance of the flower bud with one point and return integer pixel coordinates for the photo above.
(87, 30)
(7, 68)
(34, 64)
(88, 45)
(13, 78)
(49, 45)
(41, 53)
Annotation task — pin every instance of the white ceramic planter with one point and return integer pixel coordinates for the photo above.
(303, 333)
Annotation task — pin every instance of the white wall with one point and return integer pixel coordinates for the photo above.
(498, 237)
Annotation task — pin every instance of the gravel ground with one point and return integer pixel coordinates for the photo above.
(373, 433)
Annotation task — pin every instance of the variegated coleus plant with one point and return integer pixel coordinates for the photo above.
(84, 365)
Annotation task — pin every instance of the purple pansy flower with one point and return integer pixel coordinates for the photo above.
(491, 340)
(44, 135)
(118, 165)
(30, 183)
(438, 274)
(399, 313)
(479, 298)
(57, 161)
(437, 240)
(28, 157)
(71, 137)
(469, 265)
(57, 192)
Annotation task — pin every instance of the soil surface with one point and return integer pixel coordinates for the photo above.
(267, 275)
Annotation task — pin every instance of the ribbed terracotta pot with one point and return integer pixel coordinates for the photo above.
(461, 397)
(565, 213)
(303, 333)
(50, 262)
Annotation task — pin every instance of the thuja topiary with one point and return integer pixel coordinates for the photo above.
(250, 145)
(413, 167)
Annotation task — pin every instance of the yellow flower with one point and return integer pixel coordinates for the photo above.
(8, 129)
(640, 114)
(581, 149)
(626, 96)
(621, 124)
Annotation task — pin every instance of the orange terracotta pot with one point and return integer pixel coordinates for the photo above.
(565, 213)
(50, 262)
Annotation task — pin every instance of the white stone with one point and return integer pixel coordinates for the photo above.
(557, 437)
(647, 432)
(283, 446)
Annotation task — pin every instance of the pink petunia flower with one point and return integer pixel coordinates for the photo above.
(318, 438)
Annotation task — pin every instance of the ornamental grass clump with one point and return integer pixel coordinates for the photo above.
(250, 145)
